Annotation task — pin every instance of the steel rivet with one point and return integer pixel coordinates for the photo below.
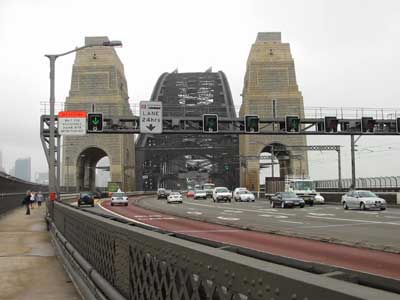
(277, 291)
(294, 297)
(268, 288)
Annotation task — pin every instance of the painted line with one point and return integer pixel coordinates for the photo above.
(292, 222)
(194, 212)
(337, 225)
(241, 209)
(126, 218)
(353, 220)
(233, 211)
(228, 219)
(318, 214)
(391, 217)
(273, 216)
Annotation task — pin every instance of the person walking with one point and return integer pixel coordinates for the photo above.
(32, 199)
(39, 198)
(27, 202)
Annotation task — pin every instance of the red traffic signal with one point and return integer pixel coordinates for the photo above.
(331, 124)
(367, 124)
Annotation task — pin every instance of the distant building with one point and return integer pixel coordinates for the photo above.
(23, 168)
(42, 177)
(12, 171)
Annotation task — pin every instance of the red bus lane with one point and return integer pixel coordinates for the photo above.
(358, 259)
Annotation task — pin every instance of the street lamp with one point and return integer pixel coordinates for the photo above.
(52, 58)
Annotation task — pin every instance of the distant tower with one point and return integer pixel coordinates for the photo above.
(23, 168)
(270, 91)
(1, 162)
(98, 85)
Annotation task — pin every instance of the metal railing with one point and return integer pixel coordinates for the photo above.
(144, 264)
(188, 110)
(374, 183)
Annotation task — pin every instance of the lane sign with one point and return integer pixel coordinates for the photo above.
(72, 122)
(151, 117)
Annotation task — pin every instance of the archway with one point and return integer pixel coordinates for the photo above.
(86, 168)
(274, 162)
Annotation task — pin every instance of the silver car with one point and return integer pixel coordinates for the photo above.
(362, 200)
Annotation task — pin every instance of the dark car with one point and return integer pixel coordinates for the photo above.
(162, 193)
(97, 195)
(286, 199)
(86, 198)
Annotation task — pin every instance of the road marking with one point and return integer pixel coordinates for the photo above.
(233, 211)
(367, 213)
(228, 219)
(318, 214)
(354, 220)
(391, 217)
(292, 222)
(241, 209)
(126, 218)
(273, 216)
(338, 225)
(194, 212)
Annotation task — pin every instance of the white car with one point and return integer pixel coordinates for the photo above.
(174, 197)
(244, 196)
(221, 194)
(318, 199)
(362, 200)
(200, 194)
(119, 198)
(236, 191)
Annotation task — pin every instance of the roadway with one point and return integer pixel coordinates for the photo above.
(324, 221)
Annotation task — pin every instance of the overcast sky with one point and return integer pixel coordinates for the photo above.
(346, 54)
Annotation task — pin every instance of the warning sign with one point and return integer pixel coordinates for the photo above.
(72, 123)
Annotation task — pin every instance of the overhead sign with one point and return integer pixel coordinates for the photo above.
(151, 117)
(72, 122)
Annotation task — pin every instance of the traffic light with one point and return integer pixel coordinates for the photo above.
(226, 167)
(398, 125)
(251, 124)
(367, 124)
(331, 124)
(210, 123)
(292, 124)
(95, 122)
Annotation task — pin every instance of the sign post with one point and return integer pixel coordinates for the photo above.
(72, 122)
(151, 118)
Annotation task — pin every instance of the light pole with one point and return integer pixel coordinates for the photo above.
(52, 58)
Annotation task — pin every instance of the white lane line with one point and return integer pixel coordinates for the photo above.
(354, 220)
(194, 213)
(241, 209)
(126, 218)
(292, 222)
(318, 214)
(273, 216)
(228, 219)
(391, 217)
(233, 211)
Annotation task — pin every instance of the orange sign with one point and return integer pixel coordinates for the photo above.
(72, 114)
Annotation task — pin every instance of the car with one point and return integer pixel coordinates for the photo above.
(318, 199)
(244, 195)
(236, 191)
(286, 199)
(162, 193)
(190, 194)
(362, 200)
(200, 194)
(119, 198)
(221, 194)
(174, 197)
(97, 195)
(86, 198)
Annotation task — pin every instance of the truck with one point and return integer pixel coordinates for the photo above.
(209, 188)
(302, 187)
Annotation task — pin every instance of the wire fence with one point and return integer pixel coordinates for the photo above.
(187, 110)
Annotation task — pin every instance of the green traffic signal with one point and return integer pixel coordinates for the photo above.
(210, 123)
(292, 124)
(95, 122)
(251, 124)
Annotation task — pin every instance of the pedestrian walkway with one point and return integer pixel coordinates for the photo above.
(29, 269)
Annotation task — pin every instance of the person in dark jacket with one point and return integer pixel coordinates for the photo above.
(27, 202)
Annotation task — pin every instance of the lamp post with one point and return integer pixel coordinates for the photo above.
(52, 58)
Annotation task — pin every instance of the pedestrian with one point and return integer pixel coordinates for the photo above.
(32, 199)
(27, 202)
(39, 198)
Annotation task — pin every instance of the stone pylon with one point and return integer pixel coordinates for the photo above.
(271, 91)
(98, 85)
